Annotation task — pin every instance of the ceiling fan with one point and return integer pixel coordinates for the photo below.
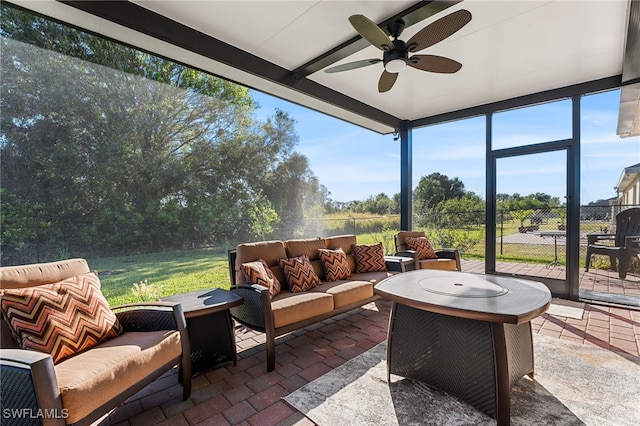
(395, 56)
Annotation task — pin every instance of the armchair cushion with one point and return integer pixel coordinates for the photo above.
(336, 266)
(61, 319)
(258, 272)
(299, 273)
(369, 258)
(421, 246)
(129, 358)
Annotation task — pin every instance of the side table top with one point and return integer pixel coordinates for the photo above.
(205, 302)
(403, 259)
(473, 296)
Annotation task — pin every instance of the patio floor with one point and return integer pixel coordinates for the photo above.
(246, 394)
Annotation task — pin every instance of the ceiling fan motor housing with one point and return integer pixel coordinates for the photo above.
(398, 51)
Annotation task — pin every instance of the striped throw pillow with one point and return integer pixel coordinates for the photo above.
(61, 319)
(258, 272)
(299, 273)
(336, 266)
(422, 247)
(369, 257)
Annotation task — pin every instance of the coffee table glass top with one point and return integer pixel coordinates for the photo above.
(474, 296)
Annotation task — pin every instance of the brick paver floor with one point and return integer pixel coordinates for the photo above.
(245, 394)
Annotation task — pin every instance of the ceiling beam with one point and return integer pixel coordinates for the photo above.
(417, 13)
(567, 92)
(152, 24)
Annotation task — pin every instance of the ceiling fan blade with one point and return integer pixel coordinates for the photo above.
(386, 82)
(352, 65)
(370, 32)
(439, 30)
(434, 63)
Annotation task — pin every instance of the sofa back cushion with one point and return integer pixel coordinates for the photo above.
(308, 247)
(269, 251)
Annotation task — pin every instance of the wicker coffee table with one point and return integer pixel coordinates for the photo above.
(210, 326)
(466, 334)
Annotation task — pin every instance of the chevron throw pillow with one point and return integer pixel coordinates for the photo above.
(336, 266)
(422, 247)
(369, 257)
(258, 272)
(61, 319)
(299, 273)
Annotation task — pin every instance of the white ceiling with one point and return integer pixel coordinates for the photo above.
(509, 49)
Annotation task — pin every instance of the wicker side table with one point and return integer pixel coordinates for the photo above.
(210, 326)
(400, 263)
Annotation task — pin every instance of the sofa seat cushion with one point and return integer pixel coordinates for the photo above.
(346, 292)
(289, 308)
(372, 277)
(440, 264)
(90, 379)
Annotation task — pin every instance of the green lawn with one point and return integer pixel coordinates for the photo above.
(169, 273)
(181, 271)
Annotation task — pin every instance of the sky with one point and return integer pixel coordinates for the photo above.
(354, 163)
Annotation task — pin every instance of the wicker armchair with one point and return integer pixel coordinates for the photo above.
(620, 246)
(447, 258)
(84, 387)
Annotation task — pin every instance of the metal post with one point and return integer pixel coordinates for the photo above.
(406, 186)
(573, 205)
(490, 218)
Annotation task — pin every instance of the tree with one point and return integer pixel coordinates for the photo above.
(380, 204)
(133, 152)
(465, 211)
(434, 188)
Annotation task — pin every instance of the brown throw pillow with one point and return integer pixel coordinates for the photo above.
(369, 257)
(422, 247)
(336, 266)
(299, 273)
(258, 272)
(61, 319)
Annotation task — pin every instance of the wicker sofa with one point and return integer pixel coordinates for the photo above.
(287, 310)
(80, 388)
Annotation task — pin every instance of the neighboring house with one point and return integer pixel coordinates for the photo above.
(628, 188)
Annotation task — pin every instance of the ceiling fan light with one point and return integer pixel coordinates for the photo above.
(394, 66)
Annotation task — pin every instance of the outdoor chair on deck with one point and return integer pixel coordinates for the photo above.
(626, 242)
(412, 244)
